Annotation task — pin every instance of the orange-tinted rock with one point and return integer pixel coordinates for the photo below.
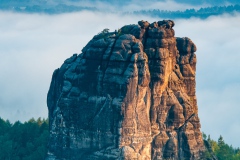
(128, 95)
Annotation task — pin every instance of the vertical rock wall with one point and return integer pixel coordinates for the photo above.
(129, 95)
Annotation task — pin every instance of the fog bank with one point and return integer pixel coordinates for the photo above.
(32, 46)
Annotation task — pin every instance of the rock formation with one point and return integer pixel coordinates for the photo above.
(129, 95)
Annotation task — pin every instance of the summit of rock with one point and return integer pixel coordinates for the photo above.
(130, 94)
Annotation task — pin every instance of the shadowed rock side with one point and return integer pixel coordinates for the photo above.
(129, 95)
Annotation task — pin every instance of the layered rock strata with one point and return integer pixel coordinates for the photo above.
(129, 95)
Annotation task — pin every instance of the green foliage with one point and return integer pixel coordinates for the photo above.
(119, 32)
(222, 150)
(103, 34)
(28, 141)
(204, 136)
(24, 141)
(188, 13)
(105, 31)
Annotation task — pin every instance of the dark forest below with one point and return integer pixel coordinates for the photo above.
(24, 141)
(28, 141)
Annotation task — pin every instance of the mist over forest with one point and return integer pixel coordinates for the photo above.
(164, 9)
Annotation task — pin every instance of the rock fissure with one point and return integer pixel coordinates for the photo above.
(129, 95)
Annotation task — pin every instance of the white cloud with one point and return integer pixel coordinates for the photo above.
(217, 40)
(32, 46)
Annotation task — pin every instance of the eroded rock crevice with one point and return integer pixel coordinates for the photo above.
(129, 95)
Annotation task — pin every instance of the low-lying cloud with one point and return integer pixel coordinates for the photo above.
(32, 46)
(217, 40)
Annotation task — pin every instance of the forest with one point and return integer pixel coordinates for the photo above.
(188, 13)
(29, 140)
(24, 141)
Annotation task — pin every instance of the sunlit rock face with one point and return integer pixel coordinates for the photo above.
(129, 95)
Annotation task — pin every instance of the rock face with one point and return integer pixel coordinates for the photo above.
(129, 95)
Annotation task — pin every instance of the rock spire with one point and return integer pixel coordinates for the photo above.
(129, 95)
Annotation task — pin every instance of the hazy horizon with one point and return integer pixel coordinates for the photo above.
(33, 45)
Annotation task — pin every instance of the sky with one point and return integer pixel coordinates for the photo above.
(32, 46)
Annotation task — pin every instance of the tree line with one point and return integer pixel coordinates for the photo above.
(29, 140)
(220, 149)
(188, 13)
(24, 141)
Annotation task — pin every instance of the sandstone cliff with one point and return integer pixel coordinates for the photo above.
(129, 95)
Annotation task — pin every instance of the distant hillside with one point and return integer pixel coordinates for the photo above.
(210, 2)
(42, 7)
(201, 13)
(56, 7)
(114, 2)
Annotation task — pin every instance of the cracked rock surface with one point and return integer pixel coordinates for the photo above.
(129, 95)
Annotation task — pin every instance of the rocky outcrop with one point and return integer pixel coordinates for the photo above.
(129, 95)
